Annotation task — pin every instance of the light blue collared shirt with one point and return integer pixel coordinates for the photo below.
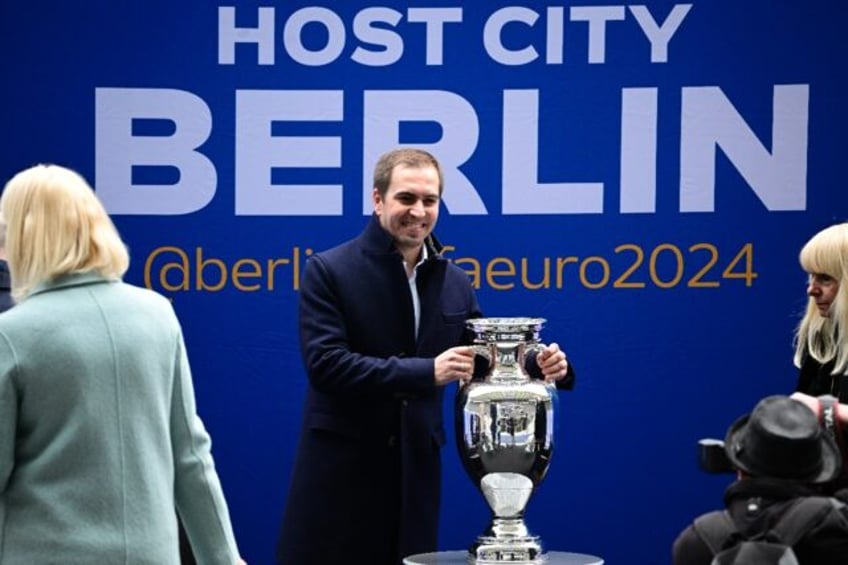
(413, 288)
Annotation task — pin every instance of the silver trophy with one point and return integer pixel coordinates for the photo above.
(504, 426)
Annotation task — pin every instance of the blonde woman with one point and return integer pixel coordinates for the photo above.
(821, 340)
(99, 438)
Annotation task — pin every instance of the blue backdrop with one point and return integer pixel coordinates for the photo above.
(643, 176)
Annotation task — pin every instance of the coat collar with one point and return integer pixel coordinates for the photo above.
(70, 280)
(374, 239)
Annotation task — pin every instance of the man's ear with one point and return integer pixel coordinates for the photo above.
(377, 200)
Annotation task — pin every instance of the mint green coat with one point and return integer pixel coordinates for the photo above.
(99, 438)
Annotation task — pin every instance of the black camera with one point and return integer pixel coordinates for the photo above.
(712, 457)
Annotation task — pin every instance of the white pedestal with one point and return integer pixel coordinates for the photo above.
(461, 558)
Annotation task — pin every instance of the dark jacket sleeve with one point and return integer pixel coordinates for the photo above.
(332, 365)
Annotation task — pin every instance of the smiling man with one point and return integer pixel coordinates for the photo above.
(382, 331)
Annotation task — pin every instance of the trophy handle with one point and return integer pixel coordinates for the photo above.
(484, 351)
(537, 347)
(531, 347)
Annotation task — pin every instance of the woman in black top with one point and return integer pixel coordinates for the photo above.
(821, 340)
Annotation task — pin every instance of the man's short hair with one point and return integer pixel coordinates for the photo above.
(407, 156)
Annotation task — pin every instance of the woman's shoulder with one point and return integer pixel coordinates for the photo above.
(139, 297)
(142, 293)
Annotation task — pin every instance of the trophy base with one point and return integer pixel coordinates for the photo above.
(489, 550)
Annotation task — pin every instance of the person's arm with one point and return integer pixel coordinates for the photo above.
(332, 366)
(832, 415)
(8, 412)
(197, 489)
(840, 410)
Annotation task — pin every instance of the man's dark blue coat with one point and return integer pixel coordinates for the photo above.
(366, 479)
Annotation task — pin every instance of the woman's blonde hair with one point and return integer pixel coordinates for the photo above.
(823, 337)
(55, 225)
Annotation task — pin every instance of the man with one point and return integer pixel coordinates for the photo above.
(5, 280)
(382, 331)
(781, 455)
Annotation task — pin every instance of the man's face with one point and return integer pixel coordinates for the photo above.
(411, 206)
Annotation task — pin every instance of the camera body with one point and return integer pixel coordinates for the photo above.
(712, 457)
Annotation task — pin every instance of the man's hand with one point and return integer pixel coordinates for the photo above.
(457, 363)
(552, 363)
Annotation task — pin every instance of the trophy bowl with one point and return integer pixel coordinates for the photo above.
(504, 427)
